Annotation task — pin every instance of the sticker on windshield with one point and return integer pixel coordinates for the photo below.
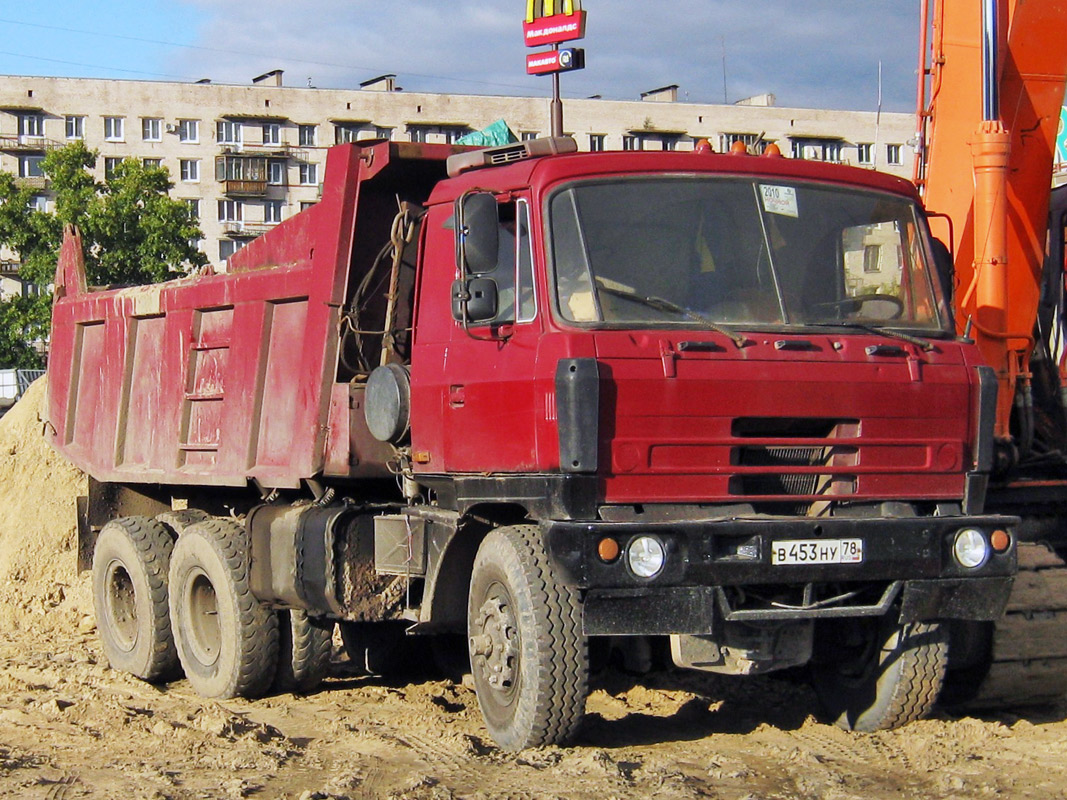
(780, 200)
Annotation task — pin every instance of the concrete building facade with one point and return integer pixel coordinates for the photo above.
(245, 158)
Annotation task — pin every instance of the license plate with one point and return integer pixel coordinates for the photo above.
(817, 551)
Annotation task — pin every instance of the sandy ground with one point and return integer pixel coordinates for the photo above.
(70, 727)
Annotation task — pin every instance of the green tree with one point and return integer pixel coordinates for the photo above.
(133, 232)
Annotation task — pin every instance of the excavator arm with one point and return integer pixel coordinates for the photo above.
(987, 142)
(991, 86)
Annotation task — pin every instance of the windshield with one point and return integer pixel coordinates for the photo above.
(692, 250)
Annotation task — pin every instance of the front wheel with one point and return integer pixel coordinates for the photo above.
(885, 674)
(528, 656)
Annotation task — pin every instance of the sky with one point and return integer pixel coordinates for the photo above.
(816, 54)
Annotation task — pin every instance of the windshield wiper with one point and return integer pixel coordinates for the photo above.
(662, 304)
(889, 334)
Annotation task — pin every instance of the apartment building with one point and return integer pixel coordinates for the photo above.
(245, 158)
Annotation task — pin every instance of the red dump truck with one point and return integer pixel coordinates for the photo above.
(540, 399)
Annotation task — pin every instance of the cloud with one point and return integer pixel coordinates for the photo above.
(821, 53)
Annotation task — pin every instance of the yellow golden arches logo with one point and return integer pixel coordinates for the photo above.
(535, 9)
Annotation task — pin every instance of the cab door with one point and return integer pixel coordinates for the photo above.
(474, 405)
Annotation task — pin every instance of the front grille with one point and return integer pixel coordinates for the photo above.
(805, 461)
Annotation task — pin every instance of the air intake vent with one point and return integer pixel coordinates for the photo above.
(506, 155)
(509, 153)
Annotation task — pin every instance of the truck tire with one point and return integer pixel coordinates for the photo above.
(227, 640)
(890, 674)
(130, 564)
(528, 656)
(304, 645)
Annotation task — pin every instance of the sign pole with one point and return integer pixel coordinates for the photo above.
(557, 102)
(544, 26)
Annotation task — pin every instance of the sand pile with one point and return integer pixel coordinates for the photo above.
(39, 583)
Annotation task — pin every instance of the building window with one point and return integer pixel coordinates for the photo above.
(309, 174)
(193, 206)
(38, 202)
(753, 142)
(452, 134)
(893, 154)
(871, 257)
(865, 153)
(632, 143)
(276, 173)
(669, 143)
(152, 129)
(383, 133)
(75, 127)
(113, 129)
(30, 167)
(31, 125)
(272, 211)
(231, 211)
(306, 135)
(189, 131)
(306, 204)
(345, 132)
(189, 168)
(596, 142)
(228, 132)
(110, 165)
(528, 136)
(156, 163)
(227, 247)
(832, 152)
(272, 133)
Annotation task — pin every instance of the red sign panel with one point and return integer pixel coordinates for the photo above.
(554, 29)
(542, 63)
(562, 60)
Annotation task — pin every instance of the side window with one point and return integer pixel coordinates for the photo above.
(524, 279)
(514, 270)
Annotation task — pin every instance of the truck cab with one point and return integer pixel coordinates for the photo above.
(715, 402)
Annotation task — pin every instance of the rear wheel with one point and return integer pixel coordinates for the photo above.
(304, 645)
(886, 674)
(226, 639)
(130, 564)
(528, 656)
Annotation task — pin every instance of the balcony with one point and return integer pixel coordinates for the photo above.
(247, 230)
(244, 188)
(279, 150)
(27, 144)
(242, 176)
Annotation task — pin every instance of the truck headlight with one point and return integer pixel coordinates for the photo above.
(971, 548)
(646, 556)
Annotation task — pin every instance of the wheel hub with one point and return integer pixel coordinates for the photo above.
(496, 643)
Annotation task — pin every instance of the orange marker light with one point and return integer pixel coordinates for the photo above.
(1000, 541)
(739, 148)
(608, 550)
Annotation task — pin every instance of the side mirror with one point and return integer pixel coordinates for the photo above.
(477, 232)
(478, 296)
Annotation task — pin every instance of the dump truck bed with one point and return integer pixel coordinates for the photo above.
(218, 379)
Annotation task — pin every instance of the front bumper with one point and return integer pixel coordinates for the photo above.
(721, 570)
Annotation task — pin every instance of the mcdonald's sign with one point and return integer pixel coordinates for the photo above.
(553, 21)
